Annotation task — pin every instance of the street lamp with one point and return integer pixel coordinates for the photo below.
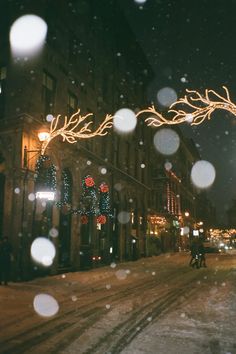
(41, 194)
(42, 136)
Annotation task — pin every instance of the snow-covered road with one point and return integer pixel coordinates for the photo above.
(154, 305)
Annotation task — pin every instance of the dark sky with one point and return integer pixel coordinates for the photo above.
(195, 40)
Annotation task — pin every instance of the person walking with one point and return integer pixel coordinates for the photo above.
(194, 251)
(5, 260)
(202, 256)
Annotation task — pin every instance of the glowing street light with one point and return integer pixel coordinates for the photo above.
(43, 136)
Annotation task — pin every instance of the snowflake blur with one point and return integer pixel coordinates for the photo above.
(166, 141)
(27, 35)
(125, 121)
(43, 251)
(45, 305)
(203, 174)
(166, 96)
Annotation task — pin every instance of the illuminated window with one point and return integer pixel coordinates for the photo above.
(132, 217)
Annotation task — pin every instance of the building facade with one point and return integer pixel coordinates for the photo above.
(135, 205)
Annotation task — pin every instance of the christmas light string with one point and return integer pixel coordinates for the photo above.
(66, 193)
(45, 173)
(72, 130)
(193, 108)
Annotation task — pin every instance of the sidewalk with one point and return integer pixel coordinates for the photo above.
(84, 278)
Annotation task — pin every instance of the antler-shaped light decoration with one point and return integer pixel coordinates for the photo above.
(72, 130)
(195, 108)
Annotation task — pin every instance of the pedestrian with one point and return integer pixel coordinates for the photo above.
(5, 260)
(194, 251)
(202, 256)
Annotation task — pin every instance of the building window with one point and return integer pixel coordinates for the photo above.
(132, 217)
(48, 93)
(3, 76)
(72, 104)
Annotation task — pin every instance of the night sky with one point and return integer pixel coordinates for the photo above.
(192, 44)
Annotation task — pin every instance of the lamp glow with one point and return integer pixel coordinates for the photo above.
(43, 136)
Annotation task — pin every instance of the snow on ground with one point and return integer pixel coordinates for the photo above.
(205, 325)
(201, 322)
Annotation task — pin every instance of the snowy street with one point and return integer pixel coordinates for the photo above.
(153, 305)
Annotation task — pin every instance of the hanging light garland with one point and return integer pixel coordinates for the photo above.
(45, 173)
(84, 219)
(89, 201)
(193, 108)
(74, 128)
(101, 219)
(66, 194)
(89, 197)
(104, 200)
